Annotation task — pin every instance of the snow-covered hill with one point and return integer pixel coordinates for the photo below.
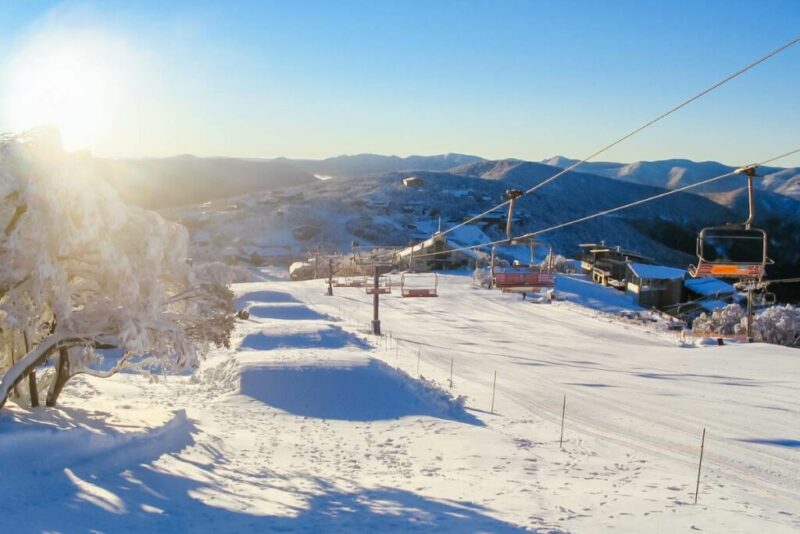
(371, 164)
(674, 173)
(381, 210)
(309, 425)
(166, 182)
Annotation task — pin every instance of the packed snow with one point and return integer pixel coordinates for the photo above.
(309, 424)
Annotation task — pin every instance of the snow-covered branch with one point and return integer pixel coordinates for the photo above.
(76, 259)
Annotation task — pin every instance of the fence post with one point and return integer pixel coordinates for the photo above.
(563, 411)
(494, 385)
(700, 466)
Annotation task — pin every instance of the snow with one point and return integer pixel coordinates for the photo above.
(656, 272)
(711, 305)
(309, 425)
(709, 286)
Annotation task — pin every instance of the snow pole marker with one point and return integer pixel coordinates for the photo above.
(451, 372)
(563, 411)
(700, 466)
(419, 356)
(494, 385)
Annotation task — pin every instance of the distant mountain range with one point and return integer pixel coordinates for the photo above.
(675, 173)
(159, 183)
(365, 200)
(183, 180)
(371, 164)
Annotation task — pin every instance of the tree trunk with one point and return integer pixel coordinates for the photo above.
(33, 389)
(62, 375)
(15, 394)
(35, 357)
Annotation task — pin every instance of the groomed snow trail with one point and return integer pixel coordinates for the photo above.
(310, 425)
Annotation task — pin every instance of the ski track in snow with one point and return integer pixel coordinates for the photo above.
(310, 425)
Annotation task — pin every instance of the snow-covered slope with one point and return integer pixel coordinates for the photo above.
(308, 425)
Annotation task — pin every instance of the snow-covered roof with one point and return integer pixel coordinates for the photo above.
(711, 305)
(709, 286)
(420, 247)
(656, 272)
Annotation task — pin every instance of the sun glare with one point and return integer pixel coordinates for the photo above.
(72, 82)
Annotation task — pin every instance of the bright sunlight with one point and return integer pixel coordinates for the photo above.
(73, 82)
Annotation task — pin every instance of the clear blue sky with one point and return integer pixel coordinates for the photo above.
(526, 79)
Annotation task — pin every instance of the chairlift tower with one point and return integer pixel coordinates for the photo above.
(376, 263)
(513, 195)
(330, 277)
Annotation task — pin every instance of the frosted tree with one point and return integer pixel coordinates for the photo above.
(80, 270)
(722, 321)
(777, 324)
(560, 263)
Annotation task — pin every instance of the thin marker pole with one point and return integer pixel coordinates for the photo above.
(419, 355)
(563, 411)
(451, 373)
(494, 386)
(700, 466)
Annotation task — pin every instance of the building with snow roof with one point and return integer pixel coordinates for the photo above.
(437, 254)
(654, 286)
(608, 265)
(704, 295)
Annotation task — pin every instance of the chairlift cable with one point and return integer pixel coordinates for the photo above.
(613, 210)
(627, 136)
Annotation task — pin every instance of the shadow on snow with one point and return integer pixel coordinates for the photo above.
(790, 443)
(368, 391)
(110, 482)
(264, 296)
(330, 337)
(297, 312)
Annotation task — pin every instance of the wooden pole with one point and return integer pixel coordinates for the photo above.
(494, 386)
(700, 466)
(563, 411)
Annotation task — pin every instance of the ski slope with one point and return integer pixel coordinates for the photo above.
(308, 424)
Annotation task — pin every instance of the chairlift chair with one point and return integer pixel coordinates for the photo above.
(528, 279)
(734, 250)
(384, 286)
(419, 285)
(350, 281)
(523, 280)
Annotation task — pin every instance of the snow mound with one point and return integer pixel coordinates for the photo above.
(218, 379)
(352, 391)
(76, 446)
(296, 312)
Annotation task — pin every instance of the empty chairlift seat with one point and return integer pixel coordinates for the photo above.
(731, 252)
(419, 285)
(384, 285)
(350, 281)
(523, 280)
